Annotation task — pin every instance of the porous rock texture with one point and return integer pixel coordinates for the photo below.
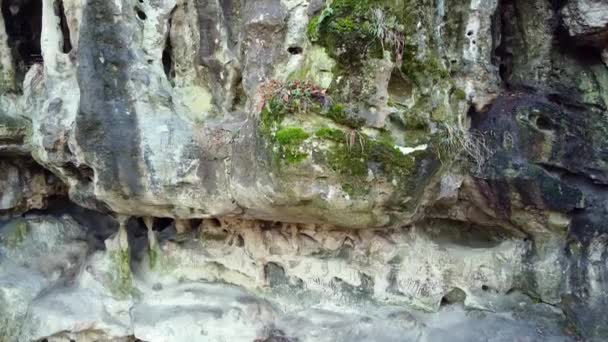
(303, 170)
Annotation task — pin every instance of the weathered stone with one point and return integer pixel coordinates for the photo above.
(343, 156)
(25, 186)
(587, 19)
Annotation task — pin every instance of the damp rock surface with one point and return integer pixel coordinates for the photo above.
(294, 170)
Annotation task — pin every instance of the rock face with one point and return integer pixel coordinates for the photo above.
(294, 170)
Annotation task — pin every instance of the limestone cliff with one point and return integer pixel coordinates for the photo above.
(303, 170)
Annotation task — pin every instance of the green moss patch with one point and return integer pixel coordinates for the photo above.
(15, 233)
(291, 136)
(122, 282)
(289, 140)
(332, 134)
(354, 154)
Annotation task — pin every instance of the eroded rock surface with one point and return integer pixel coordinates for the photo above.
(293, 170)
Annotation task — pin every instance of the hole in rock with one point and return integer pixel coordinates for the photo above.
(23, 23)
(239, 241)
(141, 14)
(294, 50)
(63, 23)
(275, 274)
(161, 223)
(195, 223)
(485, 288)
(267, 225)
(137, 227)
(470, 33)
(455, 296)
(542, 122)
(399, 89)
(213, 222)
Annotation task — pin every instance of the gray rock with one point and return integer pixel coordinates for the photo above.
(587, 19)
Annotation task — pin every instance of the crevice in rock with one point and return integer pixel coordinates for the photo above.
(535, 298)
(167, 57)
(581, 180)
(240, 97)
(502, 55)
(63, 23)
(81, 172)
(465, 234)
(23, 21)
